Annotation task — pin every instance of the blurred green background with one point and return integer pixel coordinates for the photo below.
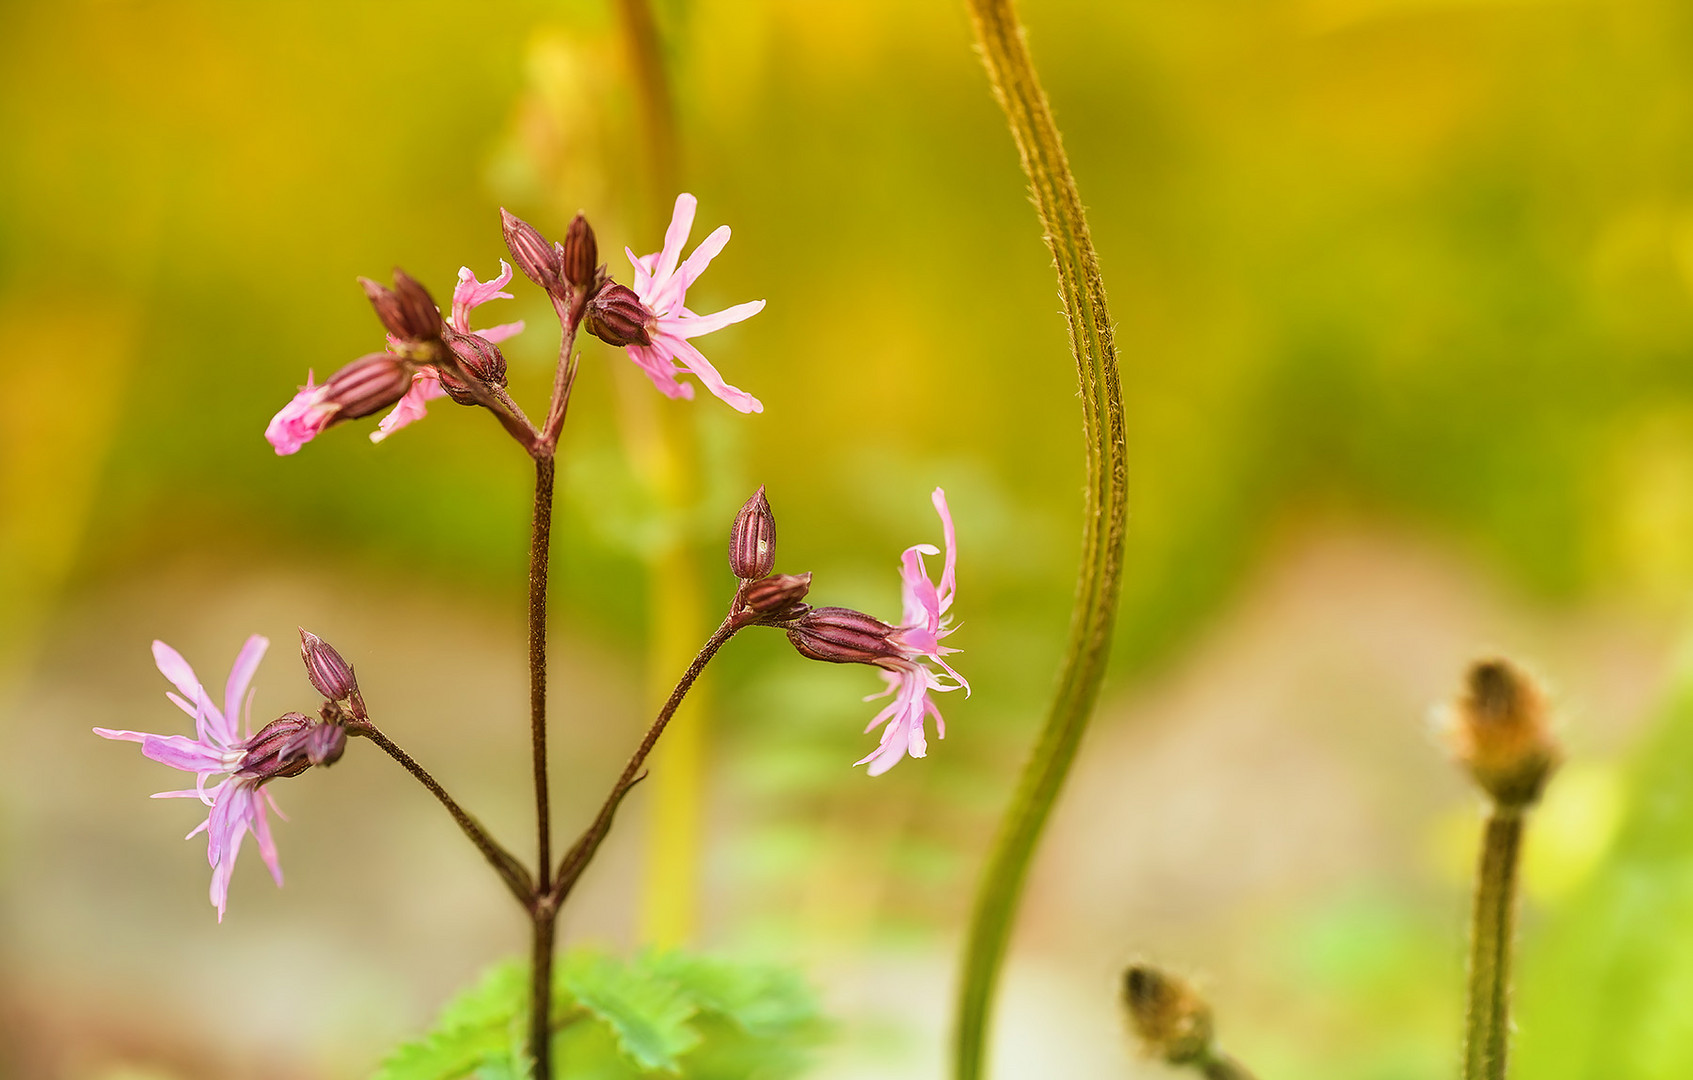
(1404, 293)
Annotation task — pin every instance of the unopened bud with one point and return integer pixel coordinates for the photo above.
(1500, 731)
(778, 595)
(839, 635)
(580, 254)
(367, 385)
(617, 317)
(331, 675)
(1172, 1020)
(752, 539)
(480, 357)
(263, 758)
(530, 251)
(319, 744)
(407, 310)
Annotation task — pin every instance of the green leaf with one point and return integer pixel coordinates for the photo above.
(476, 1033)
(763, 1001)
(648, 1013)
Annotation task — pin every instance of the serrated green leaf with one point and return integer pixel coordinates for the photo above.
(763, 1000)
(647, 1012)
(473, 1034)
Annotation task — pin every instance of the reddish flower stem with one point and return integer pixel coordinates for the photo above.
(511, 871)
(576, 860)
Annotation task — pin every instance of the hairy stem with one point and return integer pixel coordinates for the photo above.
(1487, 1014)
(540, 544)
(1015, 85)
(511, 871)
(543, 911)
(576, 860)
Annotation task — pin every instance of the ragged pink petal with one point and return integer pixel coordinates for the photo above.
(702, 369)
(493, 335)
(240, 678)
(470, 294)
(300, 421)
(690, 325)
(425, 387)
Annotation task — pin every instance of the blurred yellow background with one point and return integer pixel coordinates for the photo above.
(1404, 294)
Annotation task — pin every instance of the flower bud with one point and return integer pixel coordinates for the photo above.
(407, 310)
(752, 539)
(580, 255)
(1500, 731)
(617, 317)
(530, 251)
(1172, 1020)
(479, 356)
(263, 758)
(367, 385)
(331, 675)
(777, 596)
(839, 635)
(319, 744)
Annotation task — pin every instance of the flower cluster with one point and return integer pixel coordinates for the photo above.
(232, 763)
(430, 356)
(839, 635)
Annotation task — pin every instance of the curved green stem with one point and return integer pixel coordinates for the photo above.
(1487, 1021)
(1012, 74)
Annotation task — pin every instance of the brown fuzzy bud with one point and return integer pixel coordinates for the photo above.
(407, 310)
(533, 255)
(480, 357)
(777, 596)
(617, 317)
(263, 758)
(1500, 731)
(319, 744)
(580, 254)
(367, 385)
(330, 675)
(839, 635)
(1172, 1020)
(752, 539)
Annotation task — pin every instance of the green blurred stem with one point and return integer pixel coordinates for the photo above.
(1015, 84)
(1487, 1013)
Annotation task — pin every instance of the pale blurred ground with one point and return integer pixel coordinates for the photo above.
(1282, 770)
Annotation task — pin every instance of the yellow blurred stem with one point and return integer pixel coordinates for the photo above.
(662, 441)
(670, 900)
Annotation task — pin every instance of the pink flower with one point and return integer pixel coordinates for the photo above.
(917, 638)
(299, 421)
(237, 802)
(468, 295)
(662, 285)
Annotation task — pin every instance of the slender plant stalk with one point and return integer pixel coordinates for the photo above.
(1487, 1013)
(542, 914)
(511, 871)
(540, 545)
(1012, 73)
